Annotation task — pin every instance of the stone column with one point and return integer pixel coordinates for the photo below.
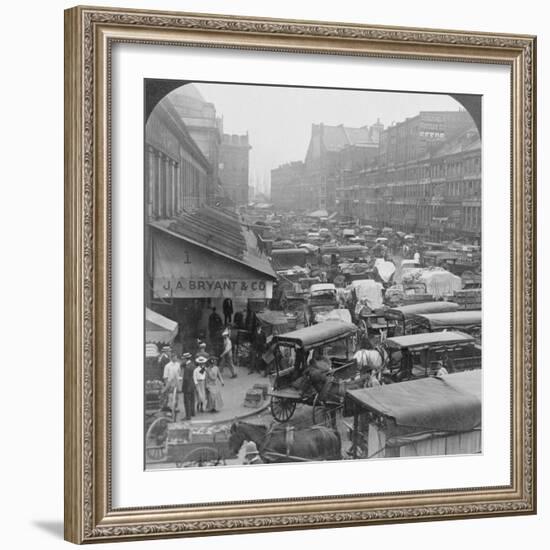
(169, 188)
(150, 181)
(158, 183)
(174, 165)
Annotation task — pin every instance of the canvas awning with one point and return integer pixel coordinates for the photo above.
(406, 312)
(447, 403)
(208, 254)
(426, 339)
(323, 333)
(439, 321)
(159, 328)
(273, 322)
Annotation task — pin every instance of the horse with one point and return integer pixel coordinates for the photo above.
(314, 443)
(371, 359)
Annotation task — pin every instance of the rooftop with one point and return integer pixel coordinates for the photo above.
(221, 232)
(335, 138)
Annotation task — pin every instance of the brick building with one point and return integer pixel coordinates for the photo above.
(286, 186)
(421, 175)
(428, 175)
(331, 150)
(234, 167)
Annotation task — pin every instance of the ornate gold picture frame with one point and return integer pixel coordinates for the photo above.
(90, 34)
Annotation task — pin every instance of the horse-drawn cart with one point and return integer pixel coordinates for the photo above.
(313, 366)
(428, 416)
(187, 445)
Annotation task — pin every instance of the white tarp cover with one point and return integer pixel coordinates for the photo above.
(405, 267)
(369, 293)
(333, 315)
(159, 328)
(318, 214)
(385, 269)
(441, 283)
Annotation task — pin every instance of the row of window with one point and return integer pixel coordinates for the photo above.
(469, 218)
(461, 168)
(472, 217)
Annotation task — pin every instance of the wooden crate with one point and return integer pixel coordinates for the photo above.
(264, 388)
(253, 398)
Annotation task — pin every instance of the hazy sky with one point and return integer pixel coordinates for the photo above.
(279, 119)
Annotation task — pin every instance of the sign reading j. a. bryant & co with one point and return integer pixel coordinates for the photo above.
(211, 288)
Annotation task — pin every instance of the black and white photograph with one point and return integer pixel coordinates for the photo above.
(313, 274)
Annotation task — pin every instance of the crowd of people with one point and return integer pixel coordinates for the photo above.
(194, 382)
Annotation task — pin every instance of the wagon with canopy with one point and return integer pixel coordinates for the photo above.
(421, 355)
(403, 317)
(274, 322)
(455, 262)
(287, 258)
(369, 305)
(297, 357)
(468, 321)
(322, 298)
(432, 416)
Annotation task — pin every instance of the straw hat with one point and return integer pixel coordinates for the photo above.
(200, 359)
(251, 449)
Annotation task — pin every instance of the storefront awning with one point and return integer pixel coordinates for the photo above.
(159, 328)
(208, 254)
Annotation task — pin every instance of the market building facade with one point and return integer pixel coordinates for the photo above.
(421, 175)
(311, 184)
(197, 254)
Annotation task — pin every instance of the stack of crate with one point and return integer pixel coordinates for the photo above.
(264, 388)
(468, 299)
(179, 433)
(253, 398)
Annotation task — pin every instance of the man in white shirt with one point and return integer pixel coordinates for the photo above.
(226, 358)
(171, 377)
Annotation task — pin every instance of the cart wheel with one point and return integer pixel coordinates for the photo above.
(156, 454)
(202, 457)
(155, 439)
(324, 413)
(282, 409)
